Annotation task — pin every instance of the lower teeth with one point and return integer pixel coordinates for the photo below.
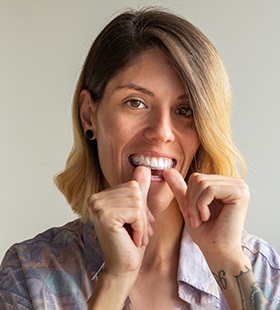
(156, 173)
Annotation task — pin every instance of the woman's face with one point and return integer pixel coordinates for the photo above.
(145, 118)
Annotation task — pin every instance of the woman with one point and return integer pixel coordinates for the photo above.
(153, 175)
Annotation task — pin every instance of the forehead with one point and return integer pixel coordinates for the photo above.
(151, 70)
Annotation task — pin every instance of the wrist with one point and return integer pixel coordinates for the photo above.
(234, 261)
(233, 273)
(111, 291)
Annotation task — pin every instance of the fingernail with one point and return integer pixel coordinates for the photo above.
(193, 222)
(150, 231)
(151, 218)
(145, 241)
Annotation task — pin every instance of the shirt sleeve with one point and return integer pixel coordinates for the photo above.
(13, 289)
(266, 267)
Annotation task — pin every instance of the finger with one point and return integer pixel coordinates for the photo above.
(204, 200)
(143, 176)
(138, 232)
(183, 194)
(198, 208)
(178, 186)
(205, 191)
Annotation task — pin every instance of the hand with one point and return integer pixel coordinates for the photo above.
(214, 208)
(123, 224)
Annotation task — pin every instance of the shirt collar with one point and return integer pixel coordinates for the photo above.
(193, 269)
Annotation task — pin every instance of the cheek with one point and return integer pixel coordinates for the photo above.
(111, 138)
(105, 138)
(192, 142)
(196, 143)
(190, 147)
(108, 158)
(107, 130)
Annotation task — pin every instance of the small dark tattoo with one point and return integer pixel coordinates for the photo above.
(221, 280)
(256, 296)
(239, 282)
(252, 296)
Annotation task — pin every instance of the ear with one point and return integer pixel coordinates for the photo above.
(87, 110)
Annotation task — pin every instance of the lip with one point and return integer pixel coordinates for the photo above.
(156, 154)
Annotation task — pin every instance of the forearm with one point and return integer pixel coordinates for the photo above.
(235, 277)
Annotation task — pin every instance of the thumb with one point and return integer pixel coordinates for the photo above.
(143, 176)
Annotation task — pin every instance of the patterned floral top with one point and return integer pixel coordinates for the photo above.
(58, 270)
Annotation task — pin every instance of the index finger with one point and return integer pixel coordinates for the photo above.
(177, 184)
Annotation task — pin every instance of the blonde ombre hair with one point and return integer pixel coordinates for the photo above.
(201, 71)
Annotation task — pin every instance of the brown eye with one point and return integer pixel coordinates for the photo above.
(136, 104)
(185, 111)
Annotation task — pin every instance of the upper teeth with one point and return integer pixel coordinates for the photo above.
(152, 162)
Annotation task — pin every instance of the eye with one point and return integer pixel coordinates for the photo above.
(184, 110)
(136, 104)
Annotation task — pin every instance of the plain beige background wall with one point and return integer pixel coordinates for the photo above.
(42, 48)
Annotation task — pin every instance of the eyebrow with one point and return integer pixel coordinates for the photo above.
(137, 88)
(146, 91)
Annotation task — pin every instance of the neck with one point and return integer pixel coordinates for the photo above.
(163, 248)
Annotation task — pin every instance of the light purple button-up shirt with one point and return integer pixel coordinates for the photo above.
(58, 269)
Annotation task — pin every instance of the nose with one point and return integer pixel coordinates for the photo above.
(159, 127)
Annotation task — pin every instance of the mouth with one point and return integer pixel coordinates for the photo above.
(156, 164)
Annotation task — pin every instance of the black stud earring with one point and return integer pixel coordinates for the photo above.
(89, 134)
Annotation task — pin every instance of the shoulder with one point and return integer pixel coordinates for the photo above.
(256, 247)
(52, 263)
(56, 235)
(30, 252)
(55, 238)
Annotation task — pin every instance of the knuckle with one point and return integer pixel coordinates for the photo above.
(138, 212)
(209, 189)
(193, 177)
(133, 184)
(134, 189)
(94, 204)
(137, 202)
(243, 189)
(96, 207)
(199, 179)
(91, 199)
